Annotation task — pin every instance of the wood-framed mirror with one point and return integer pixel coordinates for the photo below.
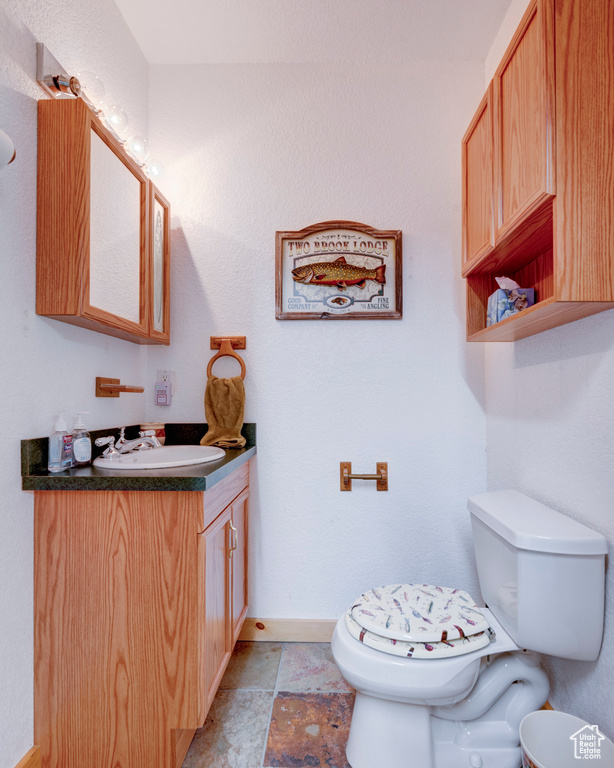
(94, 228)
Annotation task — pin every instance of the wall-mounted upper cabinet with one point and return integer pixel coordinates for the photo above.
(103, 242)
(478, 183)
(524, 120)
(549, 168)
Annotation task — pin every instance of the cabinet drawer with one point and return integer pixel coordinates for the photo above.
(223, 493)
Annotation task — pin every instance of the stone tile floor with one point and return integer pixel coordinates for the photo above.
(279, 705)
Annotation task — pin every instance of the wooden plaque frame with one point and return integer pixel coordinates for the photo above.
(358, 289)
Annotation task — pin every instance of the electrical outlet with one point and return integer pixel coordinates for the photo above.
(169, 376)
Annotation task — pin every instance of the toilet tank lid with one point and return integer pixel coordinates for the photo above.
(527, 524)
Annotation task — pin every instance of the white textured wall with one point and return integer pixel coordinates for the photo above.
(46, 365)
(550, 407)
(252, 149)
(550, 426)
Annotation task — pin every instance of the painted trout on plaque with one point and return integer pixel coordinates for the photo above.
(338, 273)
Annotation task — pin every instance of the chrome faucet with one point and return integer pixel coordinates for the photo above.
(110, 452)
(144, 442)
(121, 440)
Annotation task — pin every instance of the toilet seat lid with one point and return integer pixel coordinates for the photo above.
(418, 613)
(413, 650)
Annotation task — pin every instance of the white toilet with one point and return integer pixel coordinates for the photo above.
(443, 683)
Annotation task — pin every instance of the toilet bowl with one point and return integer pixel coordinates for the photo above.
(409, 712)
(442, 682)
(428, 682)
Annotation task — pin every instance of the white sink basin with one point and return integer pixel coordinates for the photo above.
(162, 458)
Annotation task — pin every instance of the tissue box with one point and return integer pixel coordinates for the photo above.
(505, 303)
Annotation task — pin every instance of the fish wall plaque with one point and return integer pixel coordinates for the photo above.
(338, 270)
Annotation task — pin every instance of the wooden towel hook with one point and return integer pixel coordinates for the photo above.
(225, 344)
(106, 387)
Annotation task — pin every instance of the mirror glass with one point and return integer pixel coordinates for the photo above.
(115, 238)
(158, 266)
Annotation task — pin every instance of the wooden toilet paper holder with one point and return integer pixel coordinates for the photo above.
(346, 476)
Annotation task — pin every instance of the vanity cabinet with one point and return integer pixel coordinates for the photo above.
(139, 598)
(553, 191)
(103, 230)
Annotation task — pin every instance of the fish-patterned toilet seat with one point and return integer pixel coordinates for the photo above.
(418, 621)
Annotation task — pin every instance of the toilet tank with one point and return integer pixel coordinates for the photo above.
(541, 573)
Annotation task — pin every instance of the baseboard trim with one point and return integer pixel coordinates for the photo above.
(288, 630)
(31, 760)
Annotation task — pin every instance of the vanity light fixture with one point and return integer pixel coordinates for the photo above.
(154, 169)
(53, 79)
(116, 121)
(92, 91)
(51, 75)
(137, 147)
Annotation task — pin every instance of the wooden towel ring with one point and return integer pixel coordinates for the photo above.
(226, 350)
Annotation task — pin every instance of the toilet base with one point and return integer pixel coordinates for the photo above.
(408, 736)
(400, 732)
(449, 753)
(480, 731)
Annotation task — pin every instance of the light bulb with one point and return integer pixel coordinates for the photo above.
(155, 169)
(138, 148)
(116, 119)
(92, 89)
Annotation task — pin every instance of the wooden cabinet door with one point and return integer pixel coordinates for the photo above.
(96, 231)
(239, 563)
(478, 183)
(159, 266)
(215, 640)
(524, 119)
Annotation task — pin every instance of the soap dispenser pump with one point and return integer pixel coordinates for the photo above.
(81, 443)
(60, 447)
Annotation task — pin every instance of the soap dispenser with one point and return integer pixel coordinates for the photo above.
(81, 443)
(60, 447)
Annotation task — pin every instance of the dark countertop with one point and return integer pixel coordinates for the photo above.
(199, 477)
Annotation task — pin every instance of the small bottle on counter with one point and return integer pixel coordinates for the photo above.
(60, 447)
(81, 443)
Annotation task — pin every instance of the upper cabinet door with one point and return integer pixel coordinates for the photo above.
(160, 266)
(94, 220)
(524, 119)
(478, 197)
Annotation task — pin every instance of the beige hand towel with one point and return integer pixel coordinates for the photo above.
(224, 404)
